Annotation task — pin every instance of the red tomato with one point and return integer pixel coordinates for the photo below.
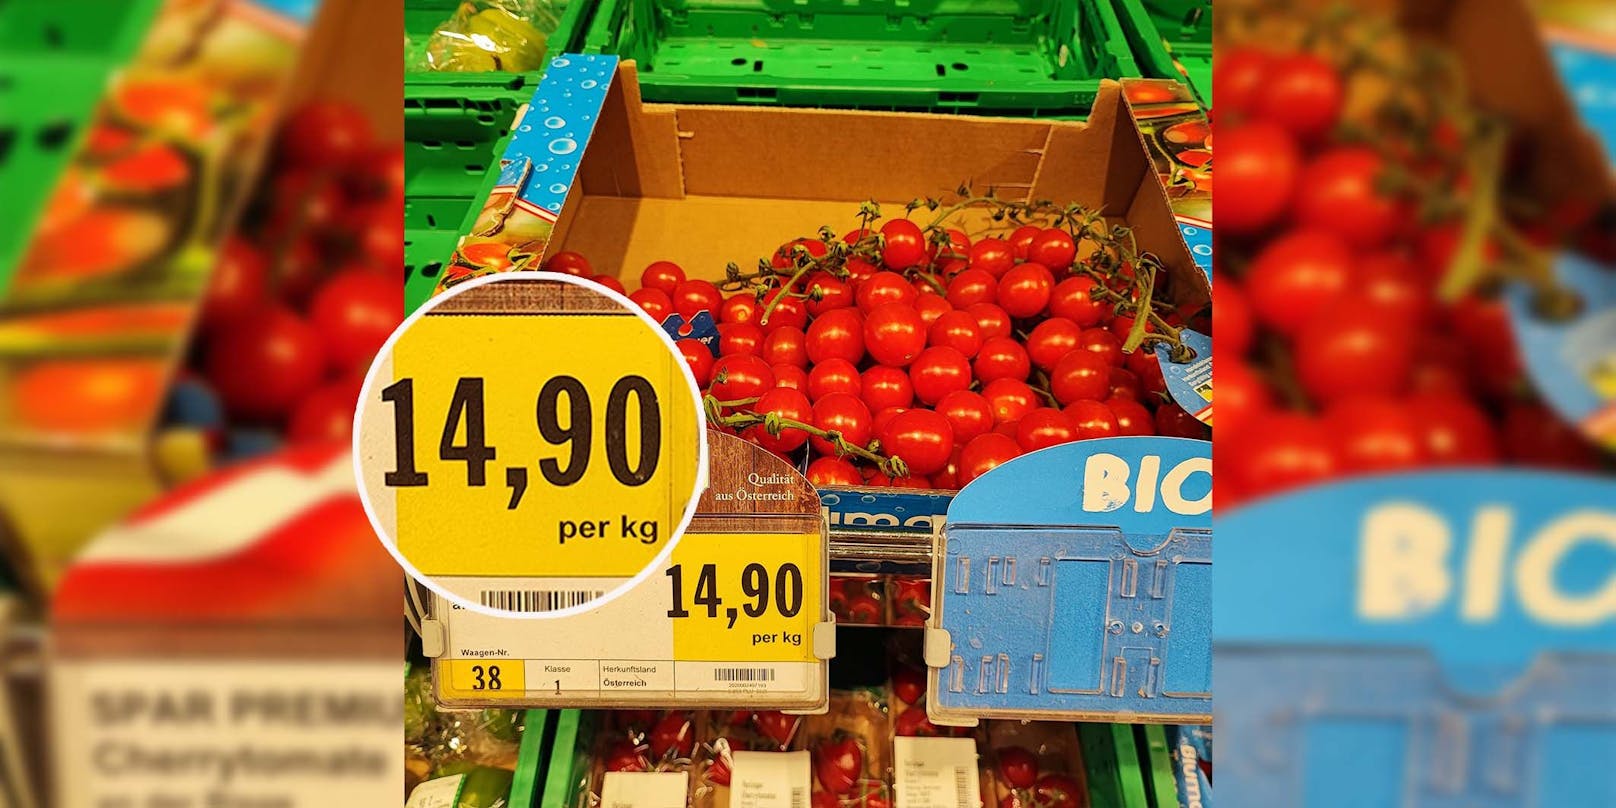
(1238, 79)
(931, 306)
(831, 293)
(836, 334)
(994, 256)
(1303, 94)
(1147, 367)
(844, 413)
(1044, 427)
(1339, 191)
(1102, 343)
(786, 346)
(922, 438)
(569, 263)
(948, 478)
(985, 453)
(958, 246)
(1001, 358)
(1092, 419)
(1025, 290)
(1231, 319)
(1080, 375)
(971, 287)
(1295, 277)
(263, 364)
(626, 757)
(1057, 791)
(832, 471)
(1132, 417)
(790, 312)
(957, 330)
(884, 387)
(1052, 339)
(938, 371)
(1532, 435)
(859, 270)
(694, 296)
(788, 254)
(610, 283)
(904, 245)
(741, 376)
(1282, 451)
(655, 302)
(833, 376)
(991, 320)
(1351, 350)
(776, 726)
(1242, 397)
(1173, 422)
(1454, 432)
(699, 357)
(1010, 399)
(1257, 169)
(1053, 248)
(882, 288)
(355, 312)
(1483, 326)
(664, 276)
(884, 416)
(839, 763)
(240, 283)
(968, 412)
(740, 339)
(1376, 434)
(673, 737)
(894, 334)
(1125, 384)
(740, 308)
(1021, 239)
(790, 376)
(909, 685)
(332, 134)
(1072, 299)
(326, 414)
(1392, 285)
(787, 404)
(1017, 766)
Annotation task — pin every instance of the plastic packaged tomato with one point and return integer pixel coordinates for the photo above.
(910, 599)
(732, 731)
(858, 600)
(851, 745)
(1034, 763)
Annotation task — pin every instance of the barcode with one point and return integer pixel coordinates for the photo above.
(798, 800)
(537, 600)
(962, 789)
(743, 674)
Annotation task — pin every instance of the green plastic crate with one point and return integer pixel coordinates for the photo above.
(1111, 757)
(530, 757)
(1156, 765)
(976, 56)
(425, 252)
(422, 17)
(568, 764)
(1167, 35)
(103, 31)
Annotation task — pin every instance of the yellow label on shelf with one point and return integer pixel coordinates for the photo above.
(484, 678)
(746, 596)
(536, 445)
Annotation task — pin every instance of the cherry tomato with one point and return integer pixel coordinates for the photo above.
(832, 293)
(958, 245)
(673, 737)
(784, 403)
(1147, 367)
(626, 757)
(1072, 299)
(788, 255)
(699, 357)
(1231, 319)
(1021, 240)
(264, 363)
(655, 302)
(1080, 375)
(1057, 791)
(1173, 422)
(790, 376)
(786, 346)
(331, 134)
(1303, 94)
(882, 288)
(326, 414)
(833, 376)
(1017, 766)
(1350, 350)
(1453, 431)
(894, 334)
(740, 339)
(994, 256)
(908, 684)
(838, 764)
(1042, 428)
(1392, 285)
(777, 726)
(985, 453)
(664, 276)
(1283, 451)
(971, 287)
(694, 296)
(922, 438)
(1339, 191)
(1125, 384)
(239, 285)
(1026, 289)
(740, 308)
(1295, 277)
(859, 270)
(1258, 166)
(610, 283)
(569, 263)
(905, 245)
(1092, 419)
(844, 413)
(968, 412)
(355, 312)
(1001, 358)
(884, 387)
(1238, 79)
(832, 471)
(931, 306)
(957, 330)
(938, 371)
(1010, 399)
(1242, 397)
(1376, 434)
(1052, 339)
(1132, 417)
(790, 312)
(1532, 435)
(991, 320)
(741, 376)
(884, 416)
(1053, 248)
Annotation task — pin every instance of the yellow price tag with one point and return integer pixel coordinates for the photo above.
(484, 678)
(746, 596)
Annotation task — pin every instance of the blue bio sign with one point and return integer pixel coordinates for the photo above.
(1425, 641)
(1076, 582)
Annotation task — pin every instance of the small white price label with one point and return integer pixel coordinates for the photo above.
(644, 790)
(935, 773)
